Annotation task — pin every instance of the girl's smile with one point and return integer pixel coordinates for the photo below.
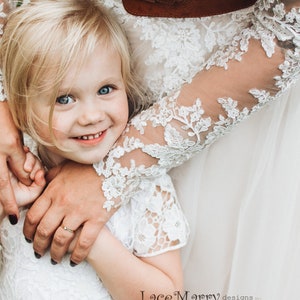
(91, 139)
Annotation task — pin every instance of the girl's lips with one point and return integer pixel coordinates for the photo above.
(90, 136)
(91, 139)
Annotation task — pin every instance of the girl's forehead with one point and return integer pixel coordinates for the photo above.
(54, 66)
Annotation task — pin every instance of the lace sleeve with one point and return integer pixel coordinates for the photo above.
(235, 82)
(160, 224)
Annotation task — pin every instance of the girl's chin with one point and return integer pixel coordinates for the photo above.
(88, 160)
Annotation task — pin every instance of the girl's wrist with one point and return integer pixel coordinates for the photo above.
(96, 249)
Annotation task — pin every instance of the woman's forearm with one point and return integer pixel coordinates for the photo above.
(260, 64)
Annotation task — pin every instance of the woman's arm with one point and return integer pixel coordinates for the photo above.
(11, 149)
(260, 64)
(12, 156)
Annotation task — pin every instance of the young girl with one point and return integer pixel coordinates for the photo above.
(67, 74)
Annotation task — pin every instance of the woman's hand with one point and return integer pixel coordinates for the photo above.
(12, 156)
(73, 198)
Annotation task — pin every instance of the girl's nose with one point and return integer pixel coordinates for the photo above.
(91, 114)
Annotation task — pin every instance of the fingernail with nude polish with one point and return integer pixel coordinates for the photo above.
(37, 255)
(13, 219)
(72, 264)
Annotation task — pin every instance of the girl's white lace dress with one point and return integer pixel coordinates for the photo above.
(240, 196)
(150, 224)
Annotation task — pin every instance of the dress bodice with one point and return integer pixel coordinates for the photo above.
(24, 277)
(169, 52)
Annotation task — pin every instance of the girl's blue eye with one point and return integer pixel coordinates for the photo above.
(66, 99)
(105, 90)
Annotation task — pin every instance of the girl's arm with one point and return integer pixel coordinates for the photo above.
(153, 228)
(129, 277)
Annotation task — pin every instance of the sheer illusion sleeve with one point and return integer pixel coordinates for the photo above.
(259, 64)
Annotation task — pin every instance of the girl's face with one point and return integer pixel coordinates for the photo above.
(91, 111)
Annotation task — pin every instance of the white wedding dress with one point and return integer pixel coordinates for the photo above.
(241, 195)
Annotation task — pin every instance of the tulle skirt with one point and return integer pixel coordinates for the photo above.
(242, 199)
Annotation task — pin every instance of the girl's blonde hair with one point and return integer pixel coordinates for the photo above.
(40, 42)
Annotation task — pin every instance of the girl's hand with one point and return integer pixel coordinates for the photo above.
(27, 194)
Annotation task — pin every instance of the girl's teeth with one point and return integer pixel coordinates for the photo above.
(90, 137)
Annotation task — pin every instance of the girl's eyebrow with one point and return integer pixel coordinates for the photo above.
(115, 80)
(63, 92)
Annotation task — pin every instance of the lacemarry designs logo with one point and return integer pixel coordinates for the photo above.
(182, 296)
(187, 295)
